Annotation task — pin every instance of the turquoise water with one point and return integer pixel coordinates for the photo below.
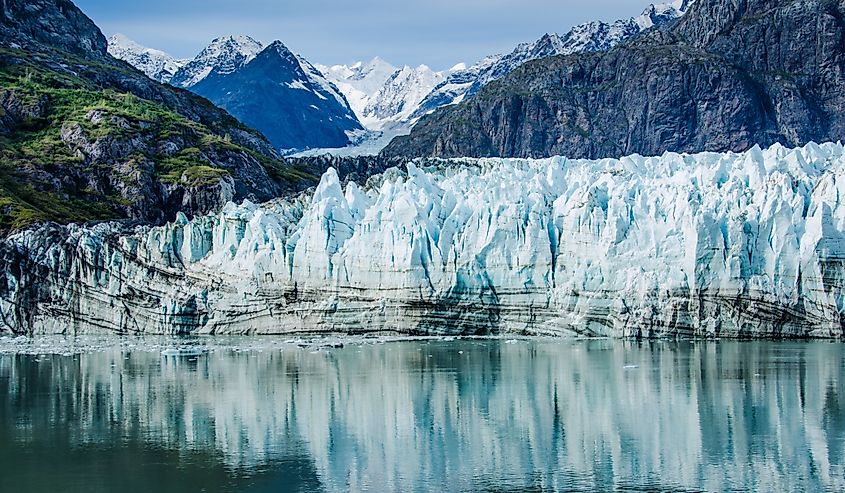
(466, 415)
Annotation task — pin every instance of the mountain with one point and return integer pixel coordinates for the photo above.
(390, 101)
(707, 245)
(382, 96)
(724, 77)
(400, 96)
(359, 82)
(285, 97)
(268, 88)
(589, 37)
(158, 65)
(85, 137)
(222, 57)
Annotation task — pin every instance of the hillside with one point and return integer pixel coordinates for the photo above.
(86, 137)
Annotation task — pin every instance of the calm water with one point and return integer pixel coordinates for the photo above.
(260, 415)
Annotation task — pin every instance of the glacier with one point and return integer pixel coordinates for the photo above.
(713, 245)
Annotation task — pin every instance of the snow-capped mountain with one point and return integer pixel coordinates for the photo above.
(408, 94)
(285, 97)
(270, 89)
(223, 56)
(383, 98)
(381, 95)
(400, 96)
(359, 82)
(157, 64)
(386, 100)
(592, 36)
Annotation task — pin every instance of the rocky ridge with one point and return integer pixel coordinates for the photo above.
(157, 64)
(585, 38)
(86, 137)
(726, 76)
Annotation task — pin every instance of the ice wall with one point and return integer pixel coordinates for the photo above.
(707, 244)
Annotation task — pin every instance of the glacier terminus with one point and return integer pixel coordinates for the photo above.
(713, 245)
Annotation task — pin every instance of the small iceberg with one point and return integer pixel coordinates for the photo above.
(179, 352)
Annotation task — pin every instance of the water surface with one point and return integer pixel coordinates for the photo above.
(466, 415)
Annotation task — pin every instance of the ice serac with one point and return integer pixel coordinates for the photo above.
(729, 245)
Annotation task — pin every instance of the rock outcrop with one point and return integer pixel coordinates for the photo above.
(726, 76)
(87, 137)
(58, 24)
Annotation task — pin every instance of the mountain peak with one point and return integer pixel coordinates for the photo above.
(239, 45)
(50, 24)
(400, 95)
(409, 70)
(360, 82)
(158, 65)
(123, 40)
(657, 14)
(223, 55)
(278, 47)
(239, 39)
(285, 97)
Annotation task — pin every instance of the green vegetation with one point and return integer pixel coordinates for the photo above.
(43, 178)
(170, 169)
(202, 176)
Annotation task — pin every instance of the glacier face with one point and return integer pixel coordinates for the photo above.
(711, 244)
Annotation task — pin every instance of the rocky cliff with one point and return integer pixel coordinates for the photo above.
(728, 75)
(590, 37)
(50, 24)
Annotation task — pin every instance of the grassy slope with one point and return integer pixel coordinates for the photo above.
(34, 155)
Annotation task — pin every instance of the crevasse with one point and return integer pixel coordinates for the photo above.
(747, 244)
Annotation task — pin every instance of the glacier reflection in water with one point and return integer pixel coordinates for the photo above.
(427, 415)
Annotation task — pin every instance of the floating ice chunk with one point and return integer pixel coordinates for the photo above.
(184, 351)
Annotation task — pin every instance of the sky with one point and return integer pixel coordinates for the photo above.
(438, 33)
